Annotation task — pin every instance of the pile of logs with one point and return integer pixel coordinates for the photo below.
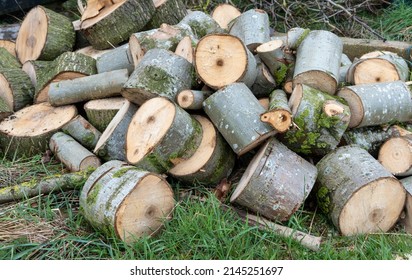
(162, 91)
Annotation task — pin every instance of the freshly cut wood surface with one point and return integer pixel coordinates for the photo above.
(279, 114)
(100, 112)
(396, 155)
(10, 46)
(225, 13)
(35, 69)
(185, 49)
(92, 52)
(192, 99)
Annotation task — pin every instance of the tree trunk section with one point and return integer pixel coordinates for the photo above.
(44, 35)
(159, 73)
(396, 155)
(378, 103)
(161, 135)
(192, 99)
(35, 69)
(83, 132)
(276, 182)
(279, 115)
(264, 83)
(7, 60)
(73, 155)
(5, 110)
(407, 183)
(130, 202)
(167, 11)
(357, 192)
(294, 37)
(111, 145)
(103, 85)
(16, 88)
(235, 111)
(212, 162)
(223, 14)
(127, 16)
(116, 59)
(28, 131)
(185, 49)
(201, 24)
(10, 46)
(100, 112)
(318, 61)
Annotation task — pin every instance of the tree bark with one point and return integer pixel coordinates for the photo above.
(276, 182)
(201, 24)
(279, 115)
(235, 111)
(192, 99)
(7, 60)
(223, 14)
(100, 112)
(396, 155)
(116, 59)
(10, 46)
(407, 183)
(5, 110)
(92, 52)
(83, 132)
(295, 36)
(35, 69)
(16, 88)
(9, 31)
(167, 11)
(378, 103)
(264, 83)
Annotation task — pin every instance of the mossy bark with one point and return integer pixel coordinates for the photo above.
(170, 12)
(36, 69)
(7, 60)
(192, 99)
(201, 24)
(20, 86)
(83, 132)
(5, 110)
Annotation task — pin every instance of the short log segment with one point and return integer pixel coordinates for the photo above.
(36, 69)
(192, 99)
(100, 112)
(212, 161)
(92, 52)
(378, 67)
(116, 59)
(9, 45)
(83, 132)
(185, 49)
(235, 111)
(161, 135)
(159, 73)
(295, 36)
(279, 115)
(223, 14)
(28, 131)
(72, 154)
(264, 83)
(252, 27)
(407, 183)
(396, 155)
(44, 35)
(127, 16)
(276, 182)
(5, 110)
(128, 202)
(111, 145)
(16, 88)
(202, 24)
(318, 61)
(103, 85)
(320, 121)
(357, 192)
(378, 103)
(167, 11)
(223, 59)
(7, 60)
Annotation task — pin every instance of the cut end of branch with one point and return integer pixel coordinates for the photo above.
(281, 120)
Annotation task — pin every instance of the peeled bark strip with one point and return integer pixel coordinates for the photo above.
(129, 202)
(127, 16)
(223, 59)
(5, 110)
(111, 144)
(252, 27)
(100, 112)
(159, 73)
(407, 183)
(73, 155)
(10, 46)
(103, 85)
(35, 69)
(161, 135)
(378, 67)
(279, 115)
(28, 131)
(116, 59)
(212, 161)
(7, 60)
(192, 99)
(264, 83)
(378, 103)
(167, 11)
(235, 111)
(16, 88)
(201, 24)
(44, 35)
(185, 49)
(396, 155)
(276, 182)
(318, 61)
(320, 121)
(83, 132)
(357, 192)
(295, 36)
(223, 14)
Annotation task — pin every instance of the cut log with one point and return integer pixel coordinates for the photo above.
(103, 85)
(129, 202)
(15, 88)
(202, 24)
(287, 84)
(279, 115)
(81, 40)
(318, 61)
(185, 49)
(9, 31)
(294, 37)
(407, 183)
(396, 155)
(73, 155)
(111, 145)
(167, 11)
(276, 182)
(35, 69)
(28, 131)
(223, 14)
(252, 27)
(116, 59)
(235, 111)
(192, 99)
(212, 162)
(378, 103)
(44, 35)
(5, 110)
(100, 112)
(378, 67)
(128, 16)
(92, 52)
(10, 46)
(83, 132)
(357, 192)
(7, 60)
(223, 59)
(159, 73)
(161, 135)
(264, 102)
(344, 68)
(320, 121)
(264, 83)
